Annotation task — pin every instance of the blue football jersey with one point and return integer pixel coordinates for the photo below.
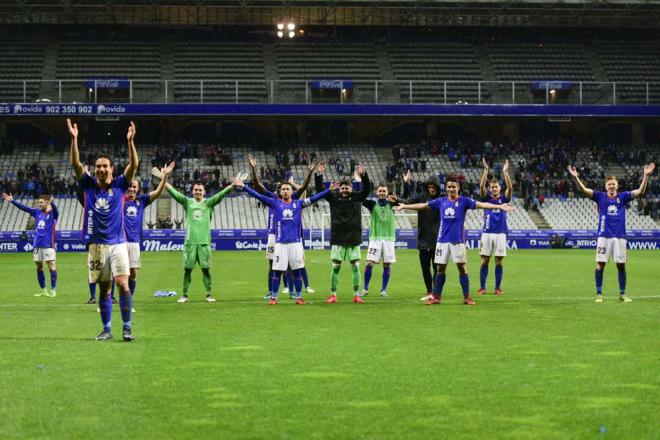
(452, 217)
(495, 219)
(612, 214)
(45, 224)
(104, 210)
(133, 217)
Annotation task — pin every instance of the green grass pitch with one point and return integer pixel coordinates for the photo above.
(543, 361)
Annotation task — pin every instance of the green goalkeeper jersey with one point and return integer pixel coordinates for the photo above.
(198, 215)
(383, 223)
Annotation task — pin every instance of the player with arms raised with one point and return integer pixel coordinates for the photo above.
(197, 246)
(451, 239)
(493, 236)
(45, 220)
(134, 207)
(612, 226)
(107, 257)
(287, 217)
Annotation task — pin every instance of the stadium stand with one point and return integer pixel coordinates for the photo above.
(22, 59)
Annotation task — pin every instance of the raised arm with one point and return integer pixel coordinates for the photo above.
(583, 189)
(165, 173)
(74, 154)
(256, 182)
(308, 178)
(238, 183)
(648, 170)
(507, 180)
(53, 206)
(176, 195)
(484, 178)
(412, 207)
(133, 160)
(217, 197)
(504, 207)
(9, 198)
(318, 196)
(318, 180)
(366, 183)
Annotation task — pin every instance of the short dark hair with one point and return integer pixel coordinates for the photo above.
(384, 185)
(198, 183)
(44, 197)
(345, 182)
(285, 183)
(103, 156)
(452, 178)
(491, 181)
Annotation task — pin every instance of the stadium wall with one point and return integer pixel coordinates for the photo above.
(255, 239)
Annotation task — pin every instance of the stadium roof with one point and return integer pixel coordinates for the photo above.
(485, 13)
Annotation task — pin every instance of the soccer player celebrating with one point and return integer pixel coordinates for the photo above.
(107, 256)
(345, 228)
(428, 223)
(134, 207)
(382, 234)
(451, 238)
(493, 236)
(45, 219)
(197, 246)
(612, 226)
(287, 217)
(270, 246)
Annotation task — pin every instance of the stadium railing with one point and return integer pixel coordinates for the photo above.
(341, 92)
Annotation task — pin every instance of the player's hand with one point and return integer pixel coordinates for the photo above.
(73, 128)
(398, 208)
(167, 171)
(291, 180)
(334, 186)
(252, 161)
(392, 198)
(8, 197)
(485, 162)
(311, 167)
(507, 207)
(237, 182)
(86, 169)
(157, 173)
(407, 176)
(320, 168)
(361, 170)
(572, 171)
(356, 176)
(649, 168)
(505, 168)
(130, 135)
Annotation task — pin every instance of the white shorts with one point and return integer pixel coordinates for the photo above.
(134, 260)
(493, 244)
(611, 247)
(288, 255)
(270, 247)
(105, 261)
(378, 248)
(458, 253)
(39, 255)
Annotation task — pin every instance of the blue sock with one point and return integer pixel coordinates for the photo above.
(367, 276)
(53, 280)
(305, 278)
(599, 281)
(465, 284)
(297, 282)
(92, 290)
(386, 277)
(125, 306)
(105, 306)
(270, 279)
(289, 276)
(622, 280)
(41, 279)
(439, 284)
(499, 272)
(131, 285)
(275, 283)
(483, 275)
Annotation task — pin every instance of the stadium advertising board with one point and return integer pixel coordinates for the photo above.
(164, 240)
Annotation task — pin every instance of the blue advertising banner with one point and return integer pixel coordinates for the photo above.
(160, 240)
(108, 83)
(541, 85)
(43, 109)
(338, 84)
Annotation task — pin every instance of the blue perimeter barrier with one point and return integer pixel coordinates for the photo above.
(255, 239)
(568, 110)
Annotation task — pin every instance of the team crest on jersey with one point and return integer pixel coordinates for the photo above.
(612, 210)
(102, 204)
(131, 211)
(41, 224)
(287, 213)
(450, 212)
(197, 214)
